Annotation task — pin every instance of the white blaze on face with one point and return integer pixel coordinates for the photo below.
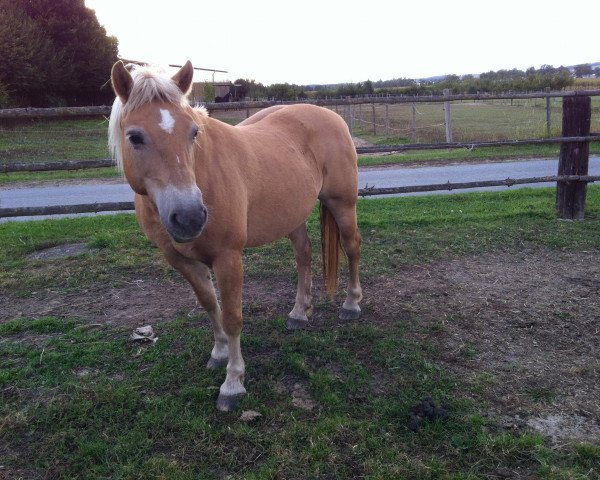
(167, 122)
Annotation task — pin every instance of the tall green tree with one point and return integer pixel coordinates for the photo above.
(60, 46)
(29, 69)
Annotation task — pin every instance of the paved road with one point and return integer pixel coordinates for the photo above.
(466, 173)
(378, 177)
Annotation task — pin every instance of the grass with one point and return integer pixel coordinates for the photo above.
(465, 155)
(471, 121)
(48, 140)
(395, 232)
(79, 400)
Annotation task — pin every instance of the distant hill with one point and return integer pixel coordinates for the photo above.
(437, 78)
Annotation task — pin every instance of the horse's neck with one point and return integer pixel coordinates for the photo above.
(218, 146)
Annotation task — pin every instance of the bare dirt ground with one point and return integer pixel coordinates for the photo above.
(522, 328)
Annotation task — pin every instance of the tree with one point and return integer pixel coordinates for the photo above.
(285, 91)
(29, 67)
(5, 101)
(583, 70)
(367, 88)
(248, 88)
(208, 93)
(59, 53)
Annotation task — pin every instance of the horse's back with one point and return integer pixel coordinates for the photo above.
(317, 130)
(295, 154)
(261, 114)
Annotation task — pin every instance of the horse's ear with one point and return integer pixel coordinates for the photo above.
(183, 78)
(121, 81)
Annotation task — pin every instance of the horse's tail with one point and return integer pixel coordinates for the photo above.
(330, 250)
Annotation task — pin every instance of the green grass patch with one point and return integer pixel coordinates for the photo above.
(92, 405)
(395, 232)
(92, 173)
(116, 244)
(47, 140)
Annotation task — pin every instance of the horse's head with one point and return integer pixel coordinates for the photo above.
(152, 135)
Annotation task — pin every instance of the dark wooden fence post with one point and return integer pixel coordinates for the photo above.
(574, 157)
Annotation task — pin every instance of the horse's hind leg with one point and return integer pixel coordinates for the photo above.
(298, 317)
(345, 218)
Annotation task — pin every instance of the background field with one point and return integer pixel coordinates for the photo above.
(45, 140)
(490, 311)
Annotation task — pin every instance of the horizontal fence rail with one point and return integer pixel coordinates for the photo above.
(65, 209)
(508, 182)
(363, 192)
(472, 145)
(58, 165)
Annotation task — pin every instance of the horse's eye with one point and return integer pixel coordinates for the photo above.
(195, 131)
(136, 139)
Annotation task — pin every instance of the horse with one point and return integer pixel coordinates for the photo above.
(223, 99)
(205, 191)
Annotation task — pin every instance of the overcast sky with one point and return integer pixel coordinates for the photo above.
(321, 41)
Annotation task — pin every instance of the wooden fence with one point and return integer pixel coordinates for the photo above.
(571, 179)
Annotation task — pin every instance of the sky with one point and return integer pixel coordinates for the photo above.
(322, 42)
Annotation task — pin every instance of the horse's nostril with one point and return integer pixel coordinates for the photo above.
(174, 219)
(188, 222)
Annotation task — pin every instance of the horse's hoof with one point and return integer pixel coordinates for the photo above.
(228, 403)
(296, 323)
(216, 363)
(347, 315)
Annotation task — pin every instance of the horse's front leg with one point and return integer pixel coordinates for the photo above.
(196, 273)
(229, 273)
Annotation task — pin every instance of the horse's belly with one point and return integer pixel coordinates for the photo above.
(278, 220)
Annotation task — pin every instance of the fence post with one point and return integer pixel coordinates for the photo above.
(574, 157)
(448, 117)
(548, 124)
(387, 119)
(350, 118)
(374, 124)
(413, 124)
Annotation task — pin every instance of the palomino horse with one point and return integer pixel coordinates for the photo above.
(205, 190)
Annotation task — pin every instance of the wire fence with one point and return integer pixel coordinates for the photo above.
(33, 135)
(38, 135)
(471, 121)
(24, 138)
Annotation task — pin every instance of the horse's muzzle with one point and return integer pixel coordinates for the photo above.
(186, 224)
(182, 213)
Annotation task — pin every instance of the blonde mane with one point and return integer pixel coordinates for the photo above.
(149, 84)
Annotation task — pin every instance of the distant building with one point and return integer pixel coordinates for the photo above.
(205, 92)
